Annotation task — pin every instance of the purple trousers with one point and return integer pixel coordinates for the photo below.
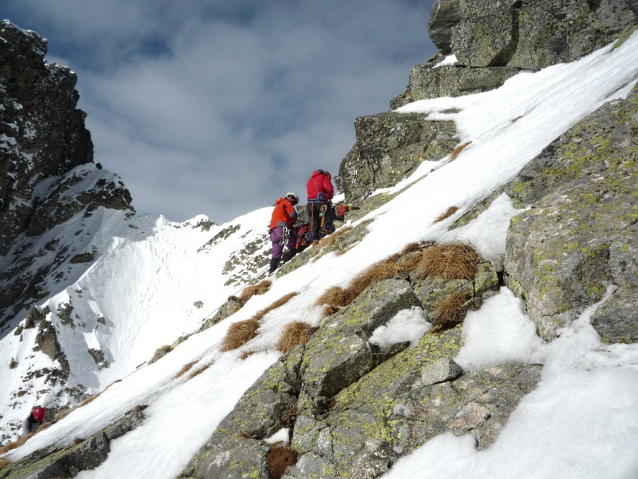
(275, 236)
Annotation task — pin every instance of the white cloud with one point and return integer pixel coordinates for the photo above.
(186, 101)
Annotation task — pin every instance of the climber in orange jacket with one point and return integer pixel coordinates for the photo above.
(281, 232)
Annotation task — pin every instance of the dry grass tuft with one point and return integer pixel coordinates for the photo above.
(139, 407)
(240, 333)
(17, 443)
(246, 354)
(330, 239)
(337, 297)
(334, 297)
(184, 370)
(517, 118)
(450, 261)
(164, 349)
(296, 332)
(77, 441)
(199, 371)
(254, 290)
(329, 310)
(279, 458)
(449, 212)
(4, 462)
(280, 302)
(451, 311)
(456, 151)
(89, 399)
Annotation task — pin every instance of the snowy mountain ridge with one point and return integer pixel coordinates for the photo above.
(154, 281)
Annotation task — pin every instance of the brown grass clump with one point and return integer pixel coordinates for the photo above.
(161, 350)
(449, 212)
(240, 333)
(199, 371)
(254, 290)
(451, 311)
(456, 151)
(18, 442)
(246, 354)
(279, 458)
(449, 261)
(336, 297)
(330, 239)
(517, 118)
(77, 441)
(184, 370)
(89, 399)
(280, 302)
(296, 332)
(4, 462)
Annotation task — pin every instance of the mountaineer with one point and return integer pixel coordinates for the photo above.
(281, 230)
(320, 193)
(33, 420)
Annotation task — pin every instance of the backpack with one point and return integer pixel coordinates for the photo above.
(340, 211)
(302, 237)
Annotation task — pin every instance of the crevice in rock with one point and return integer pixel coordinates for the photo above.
(503, 57)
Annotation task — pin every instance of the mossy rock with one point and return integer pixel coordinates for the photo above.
(580, 235)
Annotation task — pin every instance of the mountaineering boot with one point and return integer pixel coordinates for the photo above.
(274, 262)
(288, 254)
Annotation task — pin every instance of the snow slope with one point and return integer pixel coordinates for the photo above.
(145, 287)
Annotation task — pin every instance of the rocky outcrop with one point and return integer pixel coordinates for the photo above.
(580, 235)
(389, 147)
(354, 407)
(47, 174)
(42, 139)
(494, 39)
(54, 462)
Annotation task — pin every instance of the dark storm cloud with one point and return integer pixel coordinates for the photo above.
(218, 108)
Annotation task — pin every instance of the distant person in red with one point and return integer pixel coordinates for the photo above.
(320, 193)
(281, 233)
(33, 420)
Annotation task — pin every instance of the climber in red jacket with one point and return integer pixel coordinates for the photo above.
(320, 193)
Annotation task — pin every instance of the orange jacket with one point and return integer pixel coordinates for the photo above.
(283, 214)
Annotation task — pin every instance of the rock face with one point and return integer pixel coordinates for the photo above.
(389, 147)
(580, 235)
(86, 454)
(47, 174)
(494, 39)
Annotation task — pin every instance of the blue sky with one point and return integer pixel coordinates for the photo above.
(218, 108)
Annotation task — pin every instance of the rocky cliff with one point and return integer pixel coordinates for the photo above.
(491, 40)
(47, 172)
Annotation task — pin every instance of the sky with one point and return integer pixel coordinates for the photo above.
(187, 100)
(580, 421)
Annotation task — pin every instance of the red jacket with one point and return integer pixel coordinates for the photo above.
(283, 214)
(320, 187)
